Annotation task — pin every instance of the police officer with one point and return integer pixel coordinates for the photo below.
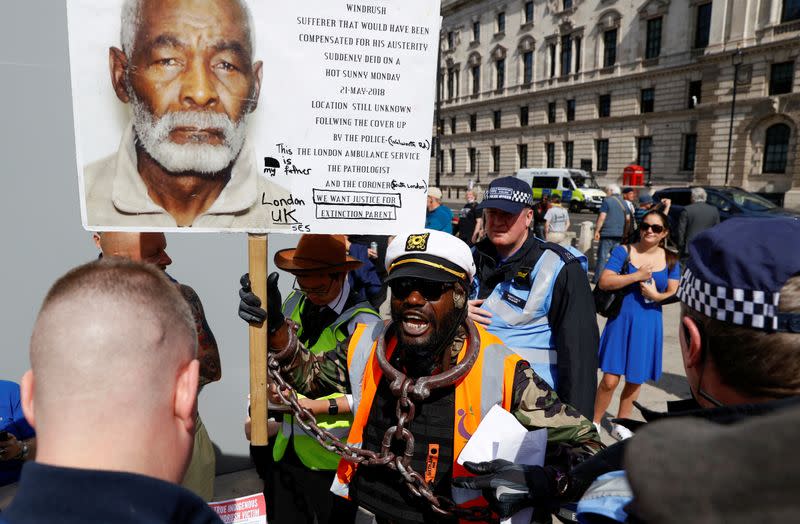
(325, 310)
(535, 295)
(422, 384)
(729, 461)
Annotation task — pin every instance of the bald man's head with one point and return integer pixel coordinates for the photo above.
(110, 341)
(139, 247)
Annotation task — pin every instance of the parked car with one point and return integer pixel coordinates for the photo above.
(730, 201)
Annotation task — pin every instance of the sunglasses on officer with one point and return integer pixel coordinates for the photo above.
(657, 229)
(430, 290)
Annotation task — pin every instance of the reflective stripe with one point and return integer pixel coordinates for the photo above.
(492, 376)
(340, 432)
(291, 303)
(537, 356)
(546, 268)
(358, 360)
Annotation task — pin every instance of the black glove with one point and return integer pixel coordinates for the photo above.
(507, 486)
(250, 305)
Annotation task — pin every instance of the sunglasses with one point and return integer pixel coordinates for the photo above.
(429, 289)
(655, 227)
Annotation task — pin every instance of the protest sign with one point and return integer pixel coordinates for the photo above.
(310, 116)
(251, 509)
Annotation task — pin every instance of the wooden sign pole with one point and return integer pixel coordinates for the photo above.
(257, 246)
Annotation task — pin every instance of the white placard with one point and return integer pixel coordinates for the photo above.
(339, 140)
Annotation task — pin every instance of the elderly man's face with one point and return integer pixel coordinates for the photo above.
(191, 81)
(424, 312)
(321, 288)
(433, 203)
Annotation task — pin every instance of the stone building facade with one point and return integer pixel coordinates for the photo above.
(608, 83)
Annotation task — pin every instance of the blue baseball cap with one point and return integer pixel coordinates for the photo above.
(509, 194)
(736, 271)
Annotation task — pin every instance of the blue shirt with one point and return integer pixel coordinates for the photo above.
(13, 421)
(440, 219)
(616, 210)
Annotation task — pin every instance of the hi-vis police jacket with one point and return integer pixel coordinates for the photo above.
(542, 308)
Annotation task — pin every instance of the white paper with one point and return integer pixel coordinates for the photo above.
(251, 509)
(501, 436)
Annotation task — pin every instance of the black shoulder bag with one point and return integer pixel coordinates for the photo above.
(608, 303)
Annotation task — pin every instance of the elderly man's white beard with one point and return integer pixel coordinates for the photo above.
(209, 159)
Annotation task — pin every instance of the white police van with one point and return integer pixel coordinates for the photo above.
(576, 187)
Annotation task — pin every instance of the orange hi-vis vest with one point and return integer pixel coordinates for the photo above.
(490, 381)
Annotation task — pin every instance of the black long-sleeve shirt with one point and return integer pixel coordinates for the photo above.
(571, 316)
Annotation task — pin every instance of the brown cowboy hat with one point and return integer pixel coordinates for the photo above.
(317, 253)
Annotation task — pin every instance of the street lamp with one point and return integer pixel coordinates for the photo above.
(737, 59)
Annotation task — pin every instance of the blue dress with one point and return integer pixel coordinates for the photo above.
(632, 342)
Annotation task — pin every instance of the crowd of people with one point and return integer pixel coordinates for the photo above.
(493, 315)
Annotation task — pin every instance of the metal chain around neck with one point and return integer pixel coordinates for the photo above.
(407, 390)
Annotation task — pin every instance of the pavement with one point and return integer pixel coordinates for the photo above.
(671, 386)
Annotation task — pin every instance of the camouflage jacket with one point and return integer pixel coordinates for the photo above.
(571, 437)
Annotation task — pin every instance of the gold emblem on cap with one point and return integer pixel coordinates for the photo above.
(417, 242)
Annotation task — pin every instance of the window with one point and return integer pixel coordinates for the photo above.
(776, 148)
(501, 22)
(791, 10)
(602, 154)
(440, 159)
(471, 155)
(653, 47)
(569, 148)
(781, 78)
(695, 88)
(550, 152)
(476, 79)
(440, 126)
(552, 60)
(545, 182)
(604, 106)
(451, 40)
(570, 110)
(500, 66)
(644, 145)
(578, 41)
(496, 159)
(476, 31)
(703, 26)
(523, 116)
(689, 152)
(610, 48)
(648, 100)
(566, 55)
(522, 153)
(497, 119)
(567, 4)
(452, 125)
(451, 78)
(551, 112)
(528, 12)
(452, 160)
(527, 67)
(473, 122)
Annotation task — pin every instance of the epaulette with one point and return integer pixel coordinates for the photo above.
(566, 255)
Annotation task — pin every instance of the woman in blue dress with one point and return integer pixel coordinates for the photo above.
(631, 343)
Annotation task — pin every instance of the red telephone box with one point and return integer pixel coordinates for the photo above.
(633, 175)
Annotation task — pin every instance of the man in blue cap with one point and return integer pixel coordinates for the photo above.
(535, 295)
(722, 455)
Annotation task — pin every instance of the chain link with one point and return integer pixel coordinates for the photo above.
(405, 389)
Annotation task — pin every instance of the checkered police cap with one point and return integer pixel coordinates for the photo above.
(737, 269)
(508, 194)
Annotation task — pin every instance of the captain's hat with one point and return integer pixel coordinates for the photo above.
(431, 255)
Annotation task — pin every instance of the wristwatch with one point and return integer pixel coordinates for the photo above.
(333, 407)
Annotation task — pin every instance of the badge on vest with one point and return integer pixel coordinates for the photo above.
(513, 299)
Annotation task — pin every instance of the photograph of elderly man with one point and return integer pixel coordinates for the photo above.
(186, 70)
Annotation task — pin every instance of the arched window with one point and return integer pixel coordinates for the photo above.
(776, 148)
